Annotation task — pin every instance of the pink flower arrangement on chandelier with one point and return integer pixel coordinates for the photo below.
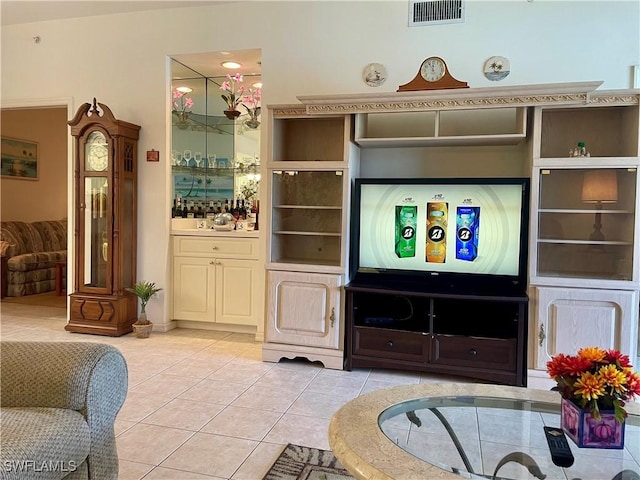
(233, 85)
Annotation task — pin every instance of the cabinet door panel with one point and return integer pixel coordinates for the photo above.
(571, 318)
(236, 280)
(304, 309)
(193, 289)
(573, 326)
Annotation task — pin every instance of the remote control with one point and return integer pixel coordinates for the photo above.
(559, 447)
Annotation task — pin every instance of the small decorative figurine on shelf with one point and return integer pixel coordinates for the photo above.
(579, 151)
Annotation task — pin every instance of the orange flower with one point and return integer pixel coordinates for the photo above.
(612, 377)
(589, 386)
(596, 379)
(595, 354)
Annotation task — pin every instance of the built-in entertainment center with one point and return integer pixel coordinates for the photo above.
(439, 276)
(536, 261)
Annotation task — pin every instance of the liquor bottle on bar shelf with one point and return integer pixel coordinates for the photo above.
(199, 213)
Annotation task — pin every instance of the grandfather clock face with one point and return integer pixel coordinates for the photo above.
(96, 152)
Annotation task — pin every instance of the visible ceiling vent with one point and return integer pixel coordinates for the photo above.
(435, 12)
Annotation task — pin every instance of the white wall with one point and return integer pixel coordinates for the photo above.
(309, 48)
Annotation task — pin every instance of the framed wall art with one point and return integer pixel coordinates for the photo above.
(19, 158)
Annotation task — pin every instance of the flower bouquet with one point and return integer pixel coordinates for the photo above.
(594, 385)
(180, 104)
(251, 101)
(234, 88)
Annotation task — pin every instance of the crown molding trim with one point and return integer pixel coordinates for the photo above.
(551, 94)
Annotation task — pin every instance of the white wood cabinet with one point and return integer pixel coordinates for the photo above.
(305, 309)
(572, 318)
(310, 166)
(304, 317)
(584, 249)
(217, 280)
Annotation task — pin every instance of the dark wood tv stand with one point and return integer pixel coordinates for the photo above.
(472, 335)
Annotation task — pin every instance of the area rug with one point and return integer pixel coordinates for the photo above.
(305, 463)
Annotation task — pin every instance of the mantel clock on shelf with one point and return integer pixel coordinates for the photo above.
(433, 74)
(106, 155)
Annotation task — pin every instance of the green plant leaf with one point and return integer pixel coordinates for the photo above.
(144, 291)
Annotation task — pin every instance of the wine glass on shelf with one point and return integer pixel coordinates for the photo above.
(198, 158)
(180, 160)
(212, 160)
(187, 156)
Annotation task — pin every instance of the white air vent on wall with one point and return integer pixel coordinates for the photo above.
(435, 12)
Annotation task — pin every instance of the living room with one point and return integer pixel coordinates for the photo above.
(123, 60)
(548, 42)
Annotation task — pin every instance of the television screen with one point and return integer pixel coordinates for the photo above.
(440, 227)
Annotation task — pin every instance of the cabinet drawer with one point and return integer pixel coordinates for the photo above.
(378, 342)
(496, 354)
(215, 247)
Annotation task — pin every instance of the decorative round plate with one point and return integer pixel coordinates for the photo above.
(497, 68)
(374, 74)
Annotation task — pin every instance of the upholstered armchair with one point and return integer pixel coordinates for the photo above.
(59, 401)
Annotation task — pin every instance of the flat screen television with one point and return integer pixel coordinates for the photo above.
(458, 235)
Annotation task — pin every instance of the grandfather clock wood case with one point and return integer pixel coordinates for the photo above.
(106, 222)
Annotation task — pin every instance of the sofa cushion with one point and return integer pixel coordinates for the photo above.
(48, 443)
(53, 234)
(35, 261)
(23, 235)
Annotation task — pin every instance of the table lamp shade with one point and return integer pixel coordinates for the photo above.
(600, 186)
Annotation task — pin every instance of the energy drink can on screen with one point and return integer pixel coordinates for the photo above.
(406, 221)
(467, 228)
(436, 244)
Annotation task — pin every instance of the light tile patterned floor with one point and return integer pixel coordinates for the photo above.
(203, 405)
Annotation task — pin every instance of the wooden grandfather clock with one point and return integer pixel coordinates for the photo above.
(105, 222)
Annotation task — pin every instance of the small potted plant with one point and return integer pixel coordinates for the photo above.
(251, 102)
(180, 104)
(144, 291)
(234, 92)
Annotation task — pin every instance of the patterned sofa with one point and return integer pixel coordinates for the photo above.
(29, 254)
(58, 408)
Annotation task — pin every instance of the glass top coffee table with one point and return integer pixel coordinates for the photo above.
(468, 431)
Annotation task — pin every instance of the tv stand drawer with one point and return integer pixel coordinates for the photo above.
(495, 354)
(396, 344)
